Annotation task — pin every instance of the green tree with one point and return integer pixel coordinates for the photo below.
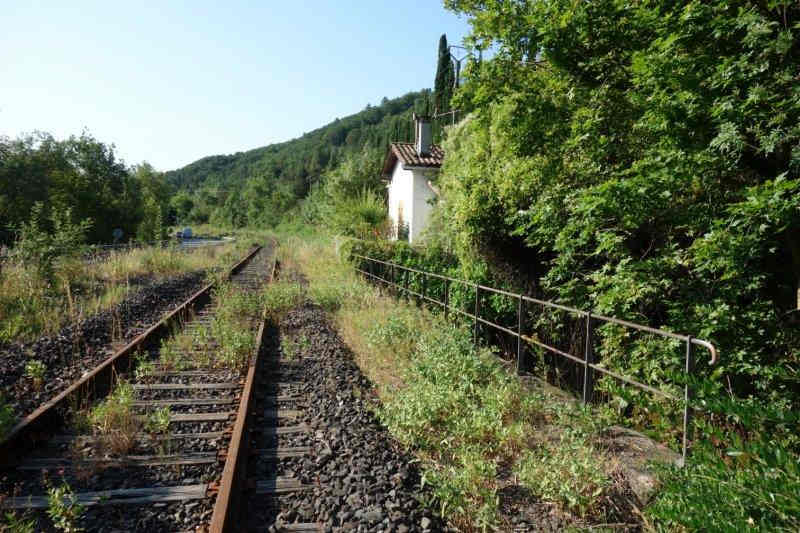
(642, 158)
(445, 78)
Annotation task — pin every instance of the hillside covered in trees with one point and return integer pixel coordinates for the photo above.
(259, 186)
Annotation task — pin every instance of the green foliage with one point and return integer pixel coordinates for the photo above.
(445, 78)
(39, 246)
(640, 160)
(114, 420)
(752, 487)
(34, 370)
(362, 216)
(281, 296)
(265, 186)
(566, 471)
(641, 168)
(295, 347)
(158, 421)
(82, 176)
(79, 173)
(460, 408)
(63, 508)
(7, 418)
(15, 523)
(348, 200)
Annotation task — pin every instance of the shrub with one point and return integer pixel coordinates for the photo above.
(281, 296)
(34, 370)
(461, 409)
(18, 524)
(39, 246)
(63, 508)
(753, 487)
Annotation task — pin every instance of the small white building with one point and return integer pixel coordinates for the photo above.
(410, 169)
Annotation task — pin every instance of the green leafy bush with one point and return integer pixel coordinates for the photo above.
(38, 245)
(64, 509)
(753, 487)
(462, 410)
(281, 296)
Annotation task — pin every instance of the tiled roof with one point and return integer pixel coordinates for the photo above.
(407, 154)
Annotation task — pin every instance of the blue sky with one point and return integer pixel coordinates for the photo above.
(170, 82)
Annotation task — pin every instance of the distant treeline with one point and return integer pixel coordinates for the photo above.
(83, 176)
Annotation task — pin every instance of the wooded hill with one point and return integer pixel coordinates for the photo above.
(270, 180)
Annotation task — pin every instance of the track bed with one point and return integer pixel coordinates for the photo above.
(165, 480)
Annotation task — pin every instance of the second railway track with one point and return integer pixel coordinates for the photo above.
(171, 419)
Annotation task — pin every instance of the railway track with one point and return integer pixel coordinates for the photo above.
(173, 419)
(269, 438)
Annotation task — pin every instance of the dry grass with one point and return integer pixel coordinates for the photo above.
(31, 306)
(357, 306)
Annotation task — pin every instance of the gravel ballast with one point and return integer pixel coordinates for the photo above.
(362, 480)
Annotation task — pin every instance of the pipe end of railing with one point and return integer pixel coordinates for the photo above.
(710, 347)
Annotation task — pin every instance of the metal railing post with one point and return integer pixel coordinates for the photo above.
(687, 398)
(446, 297)
(405, 282)
(424, 288)
(588, 359)
(477, 310)
(519, 334)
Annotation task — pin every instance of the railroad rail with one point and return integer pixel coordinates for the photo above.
(186, 469)
(267, 430)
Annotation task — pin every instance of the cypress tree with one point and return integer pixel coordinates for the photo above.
(445, 77)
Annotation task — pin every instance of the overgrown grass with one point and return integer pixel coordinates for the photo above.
(474, 426)
(32, 304)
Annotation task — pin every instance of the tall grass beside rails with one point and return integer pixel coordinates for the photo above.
(473, 425)
(32, 304)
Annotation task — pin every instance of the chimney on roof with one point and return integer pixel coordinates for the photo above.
(422, 127)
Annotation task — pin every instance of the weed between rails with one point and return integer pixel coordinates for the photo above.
(227, 342)
(115, 422)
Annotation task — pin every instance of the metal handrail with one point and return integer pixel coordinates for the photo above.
(587, 360)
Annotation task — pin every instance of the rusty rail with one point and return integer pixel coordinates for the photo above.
(39, 424)
(230, 490)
